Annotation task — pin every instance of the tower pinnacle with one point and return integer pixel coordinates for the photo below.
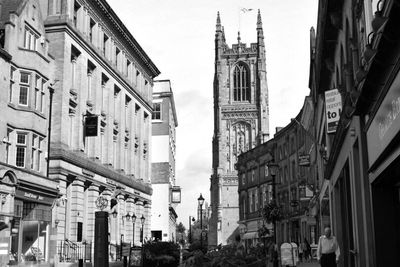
(259, 22)
(218, 22)
(238, 38)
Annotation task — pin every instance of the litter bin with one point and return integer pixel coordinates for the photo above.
(289, 254)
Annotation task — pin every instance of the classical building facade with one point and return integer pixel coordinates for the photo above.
(27, 194)
(241, 121)
(89, 138)
(165, 191)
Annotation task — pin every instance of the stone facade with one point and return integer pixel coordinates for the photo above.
(164, 122)
(241, 121)
(26, 192)
(98, 72)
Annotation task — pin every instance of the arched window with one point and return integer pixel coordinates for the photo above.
(241, 83)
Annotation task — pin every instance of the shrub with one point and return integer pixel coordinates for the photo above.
(163, 254)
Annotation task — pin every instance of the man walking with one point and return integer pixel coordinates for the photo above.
(328, 251)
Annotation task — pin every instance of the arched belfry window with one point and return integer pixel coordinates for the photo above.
(241, 83)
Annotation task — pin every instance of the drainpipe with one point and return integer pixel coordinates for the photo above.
(51, 90)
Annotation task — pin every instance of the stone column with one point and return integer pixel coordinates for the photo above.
(130, 207)
(147, 212)
(75, 208)
(138, 225)
(93, 194)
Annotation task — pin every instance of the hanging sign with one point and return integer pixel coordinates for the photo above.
(333, 108)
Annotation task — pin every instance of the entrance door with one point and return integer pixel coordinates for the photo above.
(346, 218)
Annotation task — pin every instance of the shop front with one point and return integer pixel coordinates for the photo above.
(31, 225)
(383, 137)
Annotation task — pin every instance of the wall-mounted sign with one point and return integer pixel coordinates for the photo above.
(91, 123)
(176, 194)
(333, 108)
(304, 160)
(386, 123)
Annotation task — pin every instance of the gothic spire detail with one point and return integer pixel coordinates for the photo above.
(238, 38)
(218, 22)
(259, 22)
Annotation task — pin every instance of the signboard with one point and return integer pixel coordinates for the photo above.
(126, 247)
(289, 256)
(33, 196)
(304, 160)
(176, 194)
(91, 123)
(386, 123)
(333, 108)
(135, 257)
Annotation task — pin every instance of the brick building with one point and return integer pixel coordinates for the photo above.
(165, 121)
(241, 121)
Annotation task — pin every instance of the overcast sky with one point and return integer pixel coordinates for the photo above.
(178, 35)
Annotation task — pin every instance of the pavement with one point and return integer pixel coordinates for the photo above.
(309, 264)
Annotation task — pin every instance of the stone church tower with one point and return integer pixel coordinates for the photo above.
(241, 122)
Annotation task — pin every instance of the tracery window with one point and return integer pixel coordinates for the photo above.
(241, 83)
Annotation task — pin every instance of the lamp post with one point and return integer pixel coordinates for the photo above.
(201, 201)
(142, 219)
(191, 219)
(133, 217)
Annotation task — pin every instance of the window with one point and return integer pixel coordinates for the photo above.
(39, 93)
(75, 15)
(241, 83)
(243, 179)
(91, 29)
(117, 52)
(34, 151)
(21, 150)
(8, 145)
(24, 88)
(128, 66)
(253, 172)
(30, 39)
(12, 81)
(105, 39)
(156, 111)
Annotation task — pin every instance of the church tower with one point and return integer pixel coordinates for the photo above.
(241, 122)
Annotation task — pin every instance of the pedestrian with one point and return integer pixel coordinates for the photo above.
(302, 248)
(307, 250)
(328, 251)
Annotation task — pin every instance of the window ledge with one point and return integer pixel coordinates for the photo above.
(157, 121)
(35, 52)
(26, 109)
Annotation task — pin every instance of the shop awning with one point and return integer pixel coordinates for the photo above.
(250, 235)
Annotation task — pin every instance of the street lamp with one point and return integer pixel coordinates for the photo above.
(133, 217)
(190, 229)
(142, 219)
(114, 214)
(201, 201)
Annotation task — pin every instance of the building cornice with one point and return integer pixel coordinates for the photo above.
(87, 164)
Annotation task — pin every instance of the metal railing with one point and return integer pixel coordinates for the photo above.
(69, 251)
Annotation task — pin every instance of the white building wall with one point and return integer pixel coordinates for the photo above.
(160, 148)
(160, 210)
